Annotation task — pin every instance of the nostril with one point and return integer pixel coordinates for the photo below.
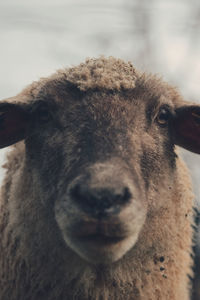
(125, 196)
(80, 194)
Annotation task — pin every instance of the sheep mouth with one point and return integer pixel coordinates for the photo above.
(99, 233)
(100, 242)
(100, 239)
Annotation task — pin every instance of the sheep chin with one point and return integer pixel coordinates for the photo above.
(103, 252)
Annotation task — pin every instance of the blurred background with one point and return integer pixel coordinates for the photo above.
(158, 36)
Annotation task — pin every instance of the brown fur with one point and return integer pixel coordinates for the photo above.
(100, 107)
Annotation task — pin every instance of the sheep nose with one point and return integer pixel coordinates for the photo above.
(100, 201)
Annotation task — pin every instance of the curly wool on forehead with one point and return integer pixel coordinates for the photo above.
(107, 73)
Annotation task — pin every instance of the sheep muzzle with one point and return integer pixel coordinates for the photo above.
(107, 211)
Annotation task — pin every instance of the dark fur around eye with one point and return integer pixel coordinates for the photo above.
(41, 112)
(163, 116)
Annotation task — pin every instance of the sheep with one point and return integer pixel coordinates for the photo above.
(96, 202)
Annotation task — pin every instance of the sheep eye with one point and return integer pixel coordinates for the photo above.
(163, 116)
(43, 113)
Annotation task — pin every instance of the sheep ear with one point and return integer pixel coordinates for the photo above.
(13, 123)
(186, 128)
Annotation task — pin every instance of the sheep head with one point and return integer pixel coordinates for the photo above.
(101, 159)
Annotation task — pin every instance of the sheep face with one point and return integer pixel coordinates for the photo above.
(98, 161)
